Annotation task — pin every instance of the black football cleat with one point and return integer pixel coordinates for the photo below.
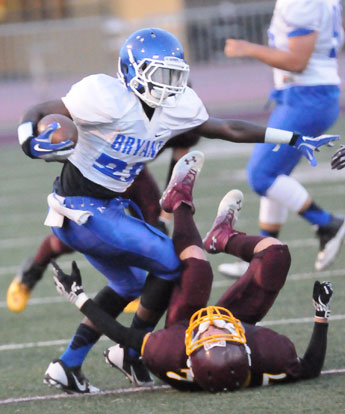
(331, 239)
(69, 380)
(133, 368)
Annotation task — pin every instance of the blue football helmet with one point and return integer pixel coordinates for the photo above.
(152, 65)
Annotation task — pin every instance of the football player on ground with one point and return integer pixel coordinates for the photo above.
(304, 40)
(214, 348)
(122, 124)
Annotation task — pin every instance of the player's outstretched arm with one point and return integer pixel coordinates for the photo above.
(39, 146)
(70, 286)
(243, 131)
(314, 356)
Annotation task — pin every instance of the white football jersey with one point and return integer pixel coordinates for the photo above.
(299, 17)
(115, 137)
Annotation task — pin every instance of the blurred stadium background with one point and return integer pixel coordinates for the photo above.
(47, 45)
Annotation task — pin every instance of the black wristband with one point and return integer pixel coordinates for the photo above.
(294, 138)
(26, 147)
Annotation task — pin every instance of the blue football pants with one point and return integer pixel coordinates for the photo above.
(123, 248)
(307, 110)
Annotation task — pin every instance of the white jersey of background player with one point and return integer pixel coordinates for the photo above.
(291, 17)
(115, 137)
(304, 39)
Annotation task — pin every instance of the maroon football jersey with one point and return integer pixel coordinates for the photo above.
(249, 299)
(273, 357)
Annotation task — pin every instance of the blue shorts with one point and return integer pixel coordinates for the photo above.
(309, 110)
(123, 248)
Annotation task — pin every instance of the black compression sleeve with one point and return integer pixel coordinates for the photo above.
(26, 147)
(294, 138)
(128, 337)
(314, 356)
(172, 164)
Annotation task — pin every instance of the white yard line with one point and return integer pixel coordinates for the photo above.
(40, 344)
(119, 391)
(27, 241)
(217, 283)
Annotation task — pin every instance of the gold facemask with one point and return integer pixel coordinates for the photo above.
(219, 317)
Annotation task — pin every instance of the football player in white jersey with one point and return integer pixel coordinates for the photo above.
(304, 39)
(122, 124)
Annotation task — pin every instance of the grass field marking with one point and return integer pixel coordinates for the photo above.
(56, 342)
(101, 393)
(7, 270)
(13, 347)
(298, 320)
(250, 198)
(28, 241)
(293, 277)
(217, 283)
(333, 371)
(116, 392)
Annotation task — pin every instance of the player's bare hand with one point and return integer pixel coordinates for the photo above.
(236, 48)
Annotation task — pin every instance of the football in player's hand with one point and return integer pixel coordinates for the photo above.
(66, 131)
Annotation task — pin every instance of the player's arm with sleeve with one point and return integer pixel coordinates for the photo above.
(37, 145)
(70, 286)
(313, 359)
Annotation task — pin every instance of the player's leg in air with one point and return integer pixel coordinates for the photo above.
(180, 146)
(269, 176)
(250, 297)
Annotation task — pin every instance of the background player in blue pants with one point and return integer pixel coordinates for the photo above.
(304, 39)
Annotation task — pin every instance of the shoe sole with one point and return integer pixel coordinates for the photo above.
(338, 240)
(233, 200)
(107, 360)
(17, 296)
(184, 164)
(57, 368)
(127, 375)
(182, 168)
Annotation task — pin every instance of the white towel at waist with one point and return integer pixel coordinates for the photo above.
(58, 211)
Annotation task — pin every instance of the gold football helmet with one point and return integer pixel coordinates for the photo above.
(219, 317)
